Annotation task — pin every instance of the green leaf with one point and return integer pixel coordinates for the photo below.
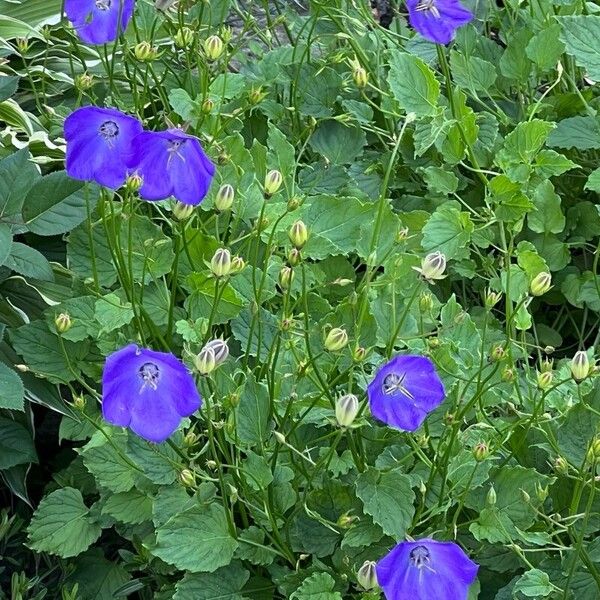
(96, 577)
(8, 86)
(17, 175)
(6, 242)
(129, 507)
(318, 90)
(439, 180)
(62, 525)
(547, 216)
(252, 413)
(593, 182)
(27, 261)
(534, 584)
(580, 34)
(12, 391)
(388, 498)
(545, 47)
(576, 432)
(449, 231)
(471, 72)
(318, 586)
(111, 313)
(56, 204)
(16, 445)
(582, 133)
(224, 584)
(514, 63)
(201, 301)
(196, 540)
(257, 471)
(413, 84)
(339, 143)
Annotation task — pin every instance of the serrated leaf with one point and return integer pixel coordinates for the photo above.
(548, 216)
(448, 230)
(129, 507)
(582, 133)
(318, 586)
(339, 143)
(17, 175)
(580, 34)
(224, 584)
(534, 584)
(12, 391)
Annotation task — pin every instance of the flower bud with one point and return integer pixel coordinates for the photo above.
(279, 437)
(508, 375)
(359, 354)
(498, 353)
(211, 465)
(145, 52)
(190, 439)
(360, 77)
(294, 203)
(79, 402)
(425, 302)
(184, 37)
(481, 451)
(298, 234)
(345, 521)
(207, 107)
(213, 47)
(84, 81)
(491, 497)
(561, 466)
(286, 276)
(540, 284)
(63, 322)
(580, 365)
(186, 478)
(432, 266)
(336, 339)
(525, 496)
(133, 183)
(547, 365)
(256, 95)
(224, 197)
(541, 492)
(205, 362)
(226, 34)
(593, 454)
(402, 234)
(182, 212)
(423, 440)
(544, 380)
(220, 263)
(346, 409)
(367, 575)
(273, 182)
(220, 350)
(491, 299)
(238, 264)
(294, 257)
(22, 44)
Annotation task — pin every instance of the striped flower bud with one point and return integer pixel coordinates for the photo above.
(540, 284)
(346, 409)
(580, 365)
(213, 47)
(220, 263)
(224, 197)
(273, 182)
(336, 339)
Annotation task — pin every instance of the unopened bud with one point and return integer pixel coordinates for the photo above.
(279, 437)
(22, 44)
(498, 353)
(360, 77)
(238, 264)
(544, 380)
(63, 322)
(226, 34)
(256, 95)
(491, 497)
(298, 234)
(580, 365)
(293, 203)
(345, 521)
(433, 266)
(273, 182)
(367, 576)
(84, 81)
(426, 302)
(186, 478)
(224, 197)
(205, 362)
(423, 440)
(346, 409)
(294, 257)
(133, 183)
(561, 466)
(336, 339)
(182, 212)
(594, 450)
(207, 107)
(540, 284)
(220, 350)
(402, 234)
(190, 439)
(213, 47)
(184, 37)
(79, 402)
(508, 375)
(541, 492)
(286, 276)
(359, 354)
(145, 52)
(491, 299)
(525, 496)
(220, 263)
(547, 365)
(481, 451)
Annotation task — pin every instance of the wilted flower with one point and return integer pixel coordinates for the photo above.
(99, 21)
(98, 144)
(433, 266)
(540, 284)
(346, 409)
(580, 365)
(171, 163)
(224, 197)
(367, 576)
(404, 391)
(148, 391)
(273, 182)
(336, 339)
(437, 20)
(220, 263)
(426, 569)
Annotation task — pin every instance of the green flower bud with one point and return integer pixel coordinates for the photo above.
(133, 183)
(213, 47)
(226, 34)
(336, 339)
(360, 77)
(220, 263)
(345, 521)
(544, 380)
(580, 365)
(491, 497)
(273, 182)
(144, 52)
(491, 299)
(541, 492)
(367, 575)
(508, 375)
(433, 266)
(256, 95)
(220, 350)
(294, 203)
(184, 37)
(182, 212)
(359, 354)
(498, 353)
(593, 454)
(205, 361)
(481, 451)
(190, 439)
(207, 107)
(525, 496)
(224, 197)
(561, 466)
(186, 478)
(238, 264)
(346, 409)
(286, 276)
(402, 234)
(547, 365)
(22, 44)
(298, 234)
(79, 402)
(84, 81)
(63, 322)
(426, 302)
(294, 257)
(540, 284)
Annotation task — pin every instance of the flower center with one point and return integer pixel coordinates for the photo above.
(429, 7)
(420, 557)
(394, 383)
(173, 150)
(109, 130)
(103, 4)
(150, 374)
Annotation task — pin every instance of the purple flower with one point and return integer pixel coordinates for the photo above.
(437, 20)
(98, 143)
(426, 569)
(171, 163)
(148, 391)
(97, 21)
(404, 391)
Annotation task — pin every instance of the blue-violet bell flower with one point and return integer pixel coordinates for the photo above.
(98, 144)
(437, 20)
(404, 391)
(426, 569)
(171, 163)
(99, 21)
(148, 391)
